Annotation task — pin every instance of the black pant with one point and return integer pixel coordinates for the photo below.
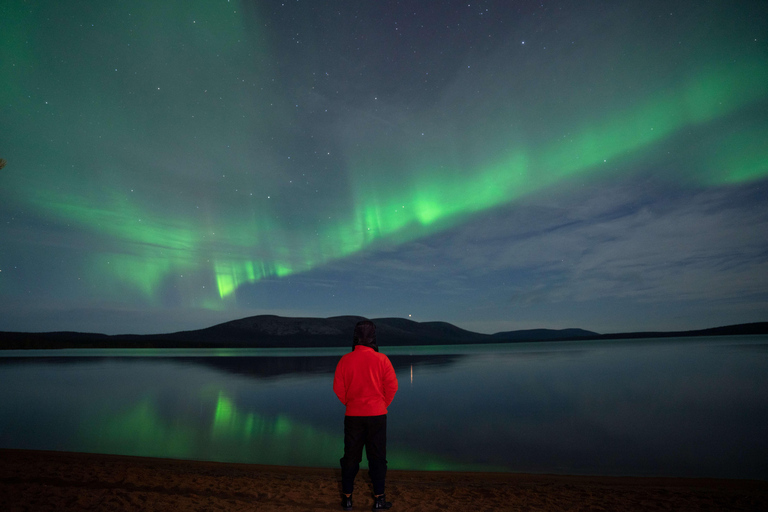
(371, 432)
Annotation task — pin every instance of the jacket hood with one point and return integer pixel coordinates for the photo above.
(365, 334)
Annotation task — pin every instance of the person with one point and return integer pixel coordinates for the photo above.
(366, 383)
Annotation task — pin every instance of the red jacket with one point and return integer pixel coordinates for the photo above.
(365, 382)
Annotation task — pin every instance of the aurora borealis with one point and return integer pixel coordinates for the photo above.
(497, 165)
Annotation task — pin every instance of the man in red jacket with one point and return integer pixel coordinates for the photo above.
(365, 382)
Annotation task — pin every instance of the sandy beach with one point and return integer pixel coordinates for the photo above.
(41, 481)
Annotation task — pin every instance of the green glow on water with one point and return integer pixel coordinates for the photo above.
(224, 416)
(231, 434)
(139, 431)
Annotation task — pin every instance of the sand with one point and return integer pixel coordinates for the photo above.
(41, 481)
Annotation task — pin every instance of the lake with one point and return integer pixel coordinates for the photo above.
(695, 407)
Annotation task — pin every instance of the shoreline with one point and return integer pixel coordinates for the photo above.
(49, 480)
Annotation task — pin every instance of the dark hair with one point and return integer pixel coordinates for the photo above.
(365, 334)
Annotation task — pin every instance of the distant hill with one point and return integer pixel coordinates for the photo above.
(545, 335)
(727, 330)
(269, 331)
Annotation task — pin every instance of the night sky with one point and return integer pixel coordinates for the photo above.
(498, 165)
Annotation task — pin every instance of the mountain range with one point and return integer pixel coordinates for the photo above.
(269, 331)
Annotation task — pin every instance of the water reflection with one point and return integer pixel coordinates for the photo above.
(266, 410)
(259, 367)
(682, 407)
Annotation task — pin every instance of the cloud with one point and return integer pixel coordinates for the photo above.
(631, 241)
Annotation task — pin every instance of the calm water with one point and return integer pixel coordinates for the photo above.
(683, 407)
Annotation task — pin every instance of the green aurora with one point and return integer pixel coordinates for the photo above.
(178, 153)
(426, 204)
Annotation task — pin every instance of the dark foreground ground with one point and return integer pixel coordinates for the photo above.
(42, 481)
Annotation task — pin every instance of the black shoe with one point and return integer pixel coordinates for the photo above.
(381, 503)
(346, 502)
